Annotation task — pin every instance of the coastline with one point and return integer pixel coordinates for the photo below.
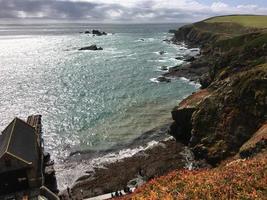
(151, 155)
(211, 121)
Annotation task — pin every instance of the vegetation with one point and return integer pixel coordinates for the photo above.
(255, 21)
(227, 114)
(240, 179)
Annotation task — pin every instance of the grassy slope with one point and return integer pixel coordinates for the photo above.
(244, 20)
(240, 179)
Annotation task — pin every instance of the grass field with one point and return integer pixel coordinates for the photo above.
(244, 20)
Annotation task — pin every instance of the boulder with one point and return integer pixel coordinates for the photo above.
(163, 79)
(179, 58)
(162, 52)
(91, 47)
(98, 33)
(166, 40)
(87, 32)
(164, 68)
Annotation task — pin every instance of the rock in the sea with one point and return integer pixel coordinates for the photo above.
(166, 40)
(164, 68)
(162, 52)
(91, 47)
(87, 32)
(163, 79)
(189, 58)
(179, 58)
(98, 33)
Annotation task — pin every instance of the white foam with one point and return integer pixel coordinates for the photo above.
(68, 173)
(197, 85)
(184, 79)
(154, 80)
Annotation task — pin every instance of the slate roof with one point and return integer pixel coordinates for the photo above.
(19, 141)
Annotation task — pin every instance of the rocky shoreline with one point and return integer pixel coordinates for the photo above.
(160, 155)
(211, 122)
(163, 156)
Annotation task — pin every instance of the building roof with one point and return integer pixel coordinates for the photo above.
(19, 141)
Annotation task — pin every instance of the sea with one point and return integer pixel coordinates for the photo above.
(89, 100)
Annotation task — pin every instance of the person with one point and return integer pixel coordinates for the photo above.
(126, 189)
(116, 194)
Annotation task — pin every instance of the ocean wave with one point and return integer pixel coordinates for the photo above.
(154, 80)
(68, 173)
(197, 85)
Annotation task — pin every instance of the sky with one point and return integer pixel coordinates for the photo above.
(127, 11)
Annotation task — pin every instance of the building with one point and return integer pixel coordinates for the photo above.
(21, 156)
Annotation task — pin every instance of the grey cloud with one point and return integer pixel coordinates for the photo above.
(64, 9)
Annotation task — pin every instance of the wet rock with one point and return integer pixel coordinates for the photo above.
(166, 40)
(98, 33)
(87, 32)
(189, 58)
(92, 48)
(163, 79)
(179, 58)
(164, 68)
(192, 71)
(162, 52)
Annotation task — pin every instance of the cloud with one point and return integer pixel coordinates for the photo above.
(122, 10)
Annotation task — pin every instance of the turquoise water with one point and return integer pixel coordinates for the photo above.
(88, 99)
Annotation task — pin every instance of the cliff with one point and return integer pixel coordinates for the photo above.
(221, 118)
(224, 123)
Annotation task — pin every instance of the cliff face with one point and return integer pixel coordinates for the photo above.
(235, 105)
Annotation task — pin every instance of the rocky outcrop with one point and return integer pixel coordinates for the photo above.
(225, 120)
(98, 33)
(235, 74)
(255, 144)
(92, 48)
(192, 71)
(182, 115)
(163, 79)
(95, 32)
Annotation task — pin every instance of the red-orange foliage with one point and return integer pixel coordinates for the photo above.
(241, 179)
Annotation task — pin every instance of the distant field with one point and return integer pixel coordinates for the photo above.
(244, 20)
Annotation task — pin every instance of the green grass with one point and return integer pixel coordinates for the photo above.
(255, 21)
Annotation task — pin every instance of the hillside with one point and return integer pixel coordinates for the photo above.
(239, 179)
(255, 21)
(226, 119)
